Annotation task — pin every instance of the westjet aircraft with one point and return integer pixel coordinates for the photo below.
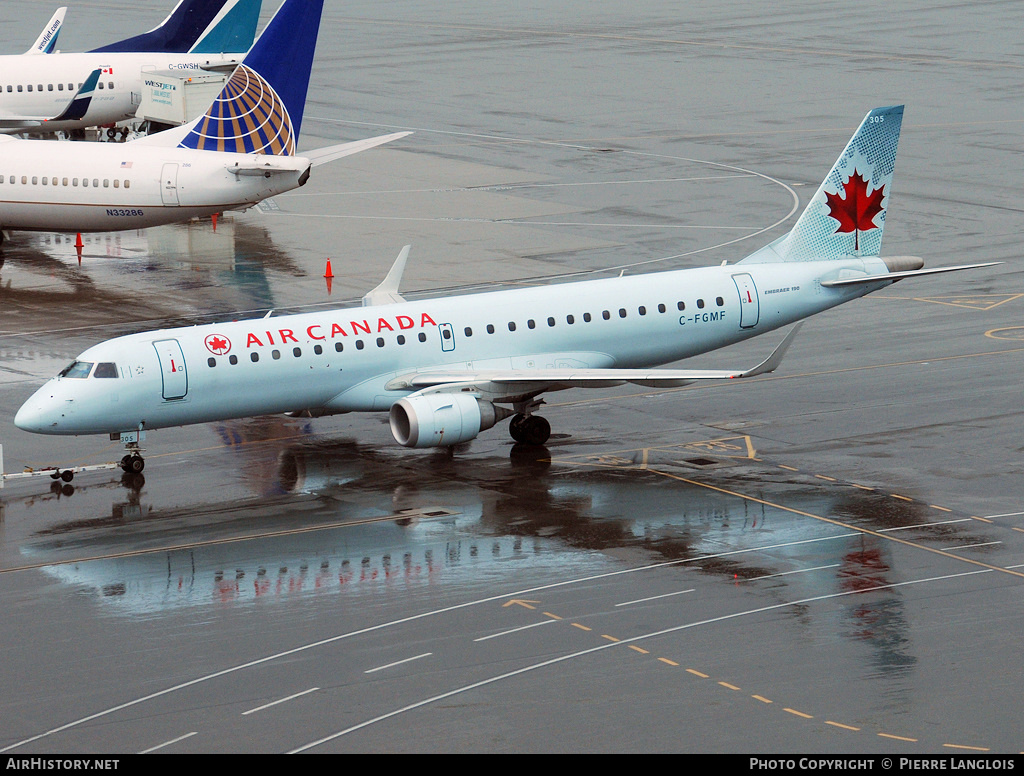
(448, 368)
(46, 43)
(240, 152)
(198, 35)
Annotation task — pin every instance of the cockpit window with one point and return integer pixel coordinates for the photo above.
(76, 369)
(105, 369)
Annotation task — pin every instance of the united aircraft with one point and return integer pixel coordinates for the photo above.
(197, 35)
(447, 369)
(241, 151)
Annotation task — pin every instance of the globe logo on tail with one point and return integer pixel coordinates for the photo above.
(248, 117)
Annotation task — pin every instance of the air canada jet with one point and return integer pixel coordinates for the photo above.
(198, 35)
(449, 368)
(241, 151)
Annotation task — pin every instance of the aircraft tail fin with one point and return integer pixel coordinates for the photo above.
(178, 33)
(46, 43)
(232, 30)
(260, 108)
(846, 216)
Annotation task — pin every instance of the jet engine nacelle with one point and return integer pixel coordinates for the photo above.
(442, 419)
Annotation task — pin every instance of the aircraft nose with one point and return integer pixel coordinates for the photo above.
(36, 415)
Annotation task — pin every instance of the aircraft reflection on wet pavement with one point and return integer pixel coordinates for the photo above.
(380, 525)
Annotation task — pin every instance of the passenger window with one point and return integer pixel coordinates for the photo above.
(380, 340)
(100, 84)
(360, 345)
(49, 87)
(108, 369)
(211, 361)
(127, 184)
(570, 319)
(400, 339)
(622, 312)
(77, 370)
(469, 332)
(680, 305)
(511, 326)
(275, 354)
(35, 179)
(29, 88)
(339, 347)
(490, 328)
(106, 183)
(65, 181)
(297, 352)
(232, 360)
(318, 349)
(60, 87)
(606, 315)
(587, 317)
(661, 308)
(423, 337)
(551, 321)
(117, 183)
(254, 357)
(700, 304)
(74, 181)
(719, 301)
(642, 310)
(96, 182)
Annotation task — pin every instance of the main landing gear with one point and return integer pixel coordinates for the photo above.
(529, 429)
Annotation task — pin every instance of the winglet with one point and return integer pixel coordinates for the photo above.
(46, 43)
(771, 363)
(80, 102)
(387, 291)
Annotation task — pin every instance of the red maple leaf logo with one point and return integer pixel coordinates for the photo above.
(218, 345)
(856, 209)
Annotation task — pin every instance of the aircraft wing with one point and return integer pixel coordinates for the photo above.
(75, 110)
(516, 382)
(330, 153)
(46, 43)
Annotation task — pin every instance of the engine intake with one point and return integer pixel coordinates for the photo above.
(442, 419)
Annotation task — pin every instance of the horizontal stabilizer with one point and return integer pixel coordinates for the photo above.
(892, 277)
(330, 153)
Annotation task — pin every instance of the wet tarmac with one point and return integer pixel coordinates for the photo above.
(825, 559)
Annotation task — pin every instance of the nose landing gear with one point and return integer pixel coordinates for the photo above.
(133, 463)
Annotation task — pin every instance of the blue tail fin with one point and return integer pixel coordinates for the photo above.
(846, 216)
(232, 30)
(177, 33)
(260, 109)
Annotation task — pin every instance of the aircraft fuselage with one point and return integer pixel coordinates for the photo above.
(43, 86)
(348, 359)
(72, 187)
